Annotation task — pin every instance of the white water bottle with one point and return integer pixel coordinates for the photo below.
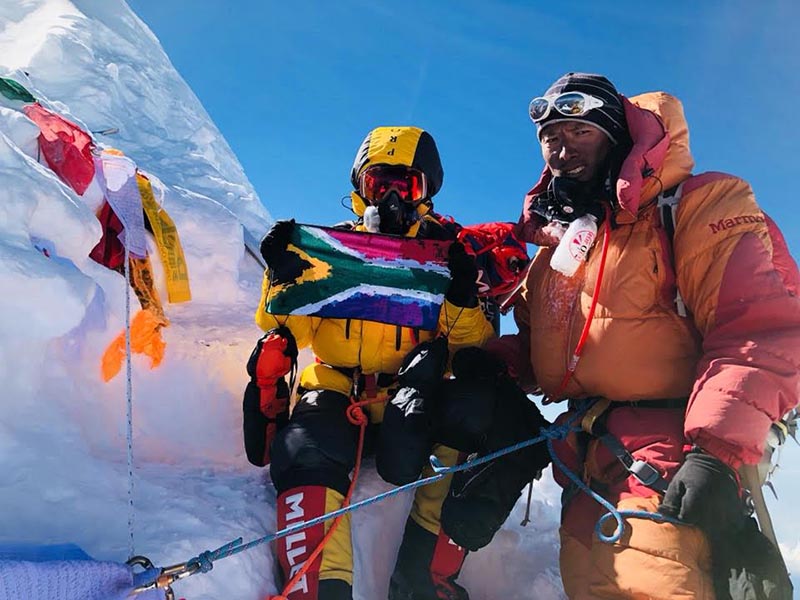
(574, 245)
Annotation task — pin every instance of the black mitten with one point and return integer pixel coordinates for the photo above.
(463, 290)
(274, 243)
(704, 492)
(468, 401)
(466, 411)
(409, 421)
(424, 367)
(473, 362)
(480, 501)
(481, 498)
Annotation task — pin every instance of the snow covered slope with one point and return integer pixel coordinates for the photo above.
(62, 430)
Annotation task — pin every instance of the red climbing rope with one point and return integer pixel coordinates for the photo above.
(576, 355)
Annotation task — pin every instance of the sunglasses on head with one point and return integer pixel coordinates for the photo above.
(569, 104)
(411, 185)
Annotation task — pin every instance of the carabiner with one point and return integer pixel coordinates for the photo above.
(165, 578)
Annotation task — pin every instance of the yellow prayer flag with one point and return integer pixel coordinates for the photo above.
(168, 242)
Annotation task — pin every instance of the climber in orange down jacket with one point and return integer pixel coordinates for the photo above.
(692, 353)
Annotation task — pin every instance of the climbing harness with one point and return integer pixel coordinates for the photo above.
(559, 432)
(613, 513)
(593, 423)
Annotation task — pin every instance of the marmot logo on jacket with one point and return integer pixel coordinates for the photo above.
(724, 224)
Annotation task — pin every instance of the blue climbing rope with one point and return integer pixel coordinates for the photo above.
(618, 515)
(204, 562)
(440, 471)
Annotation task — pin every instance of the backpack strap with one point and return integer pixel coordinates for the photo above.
(668, 202)
(668, 208)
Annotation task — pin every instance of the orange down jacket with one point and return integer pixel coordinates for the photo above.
(736, 356)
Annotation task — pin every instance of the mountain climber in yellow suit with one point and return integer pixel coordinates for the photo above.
(396, 173)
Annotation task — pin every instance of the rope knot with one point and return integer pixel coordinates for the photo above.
(204, 561)
(556, 432)
(355, 415)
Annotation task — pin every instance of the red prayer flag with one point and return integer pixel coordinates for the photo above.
(65, 146)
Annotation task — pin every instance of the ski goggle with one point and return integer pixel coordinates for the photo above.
(569, 104)
(410, 184)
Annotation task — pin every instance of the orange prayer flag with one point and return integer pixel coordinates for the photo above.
(145, 339)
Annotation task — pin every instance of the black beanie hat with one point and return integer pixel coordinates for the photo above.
(609, 118)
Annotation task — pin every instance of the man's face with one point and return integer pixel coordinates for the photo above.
(574, 149)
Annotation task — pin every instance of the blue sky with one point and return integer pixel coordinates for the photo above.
(295, 86)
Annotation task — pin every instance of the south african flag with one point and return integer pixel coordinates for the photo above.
(338, 273)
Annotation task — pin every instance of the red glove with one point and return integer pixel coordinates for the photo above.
(266, 398)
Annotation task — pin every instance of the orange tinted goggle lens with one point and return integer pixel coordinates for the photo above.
(376, 182)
